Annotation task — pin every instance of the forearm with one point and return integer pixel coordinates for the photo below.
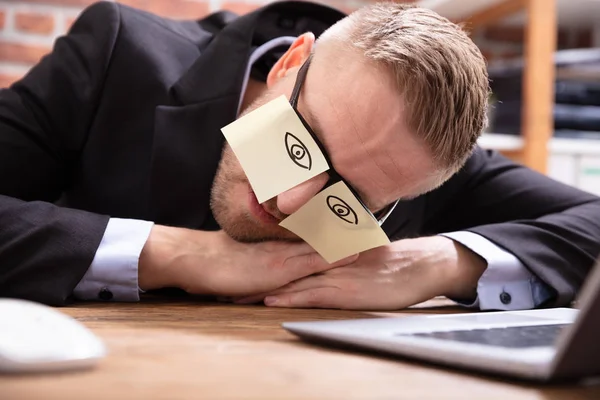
(45, 250)
(156, 259)
(560, 249)
(552, 229)
(212, 263)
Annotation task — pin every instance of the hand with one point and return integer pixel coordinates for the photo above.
(212, 263)
(390, 277)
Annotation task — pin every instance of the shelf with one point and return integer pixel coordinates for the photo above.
(457, 9)
(578, 146)
(570, 14)
(510, 143)
(501, 142)
(576, 63)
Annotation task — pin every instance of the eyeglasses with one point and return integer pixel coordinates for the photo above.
(297, 151)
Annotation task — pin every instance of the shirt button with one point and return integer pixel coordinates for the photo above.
(505, 298)
(105, 294)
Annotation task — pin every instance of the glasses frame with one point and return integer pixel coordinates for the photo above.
(334, 176)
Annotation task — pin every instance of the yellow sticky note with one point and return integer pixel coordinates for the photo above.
(335, 224)
(274, 148)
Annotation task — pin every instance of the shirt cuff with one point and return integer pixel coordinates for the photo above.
(113, 274)
(506, 284)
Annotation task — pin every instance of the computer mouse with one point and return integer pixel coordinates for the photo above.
(37, 338)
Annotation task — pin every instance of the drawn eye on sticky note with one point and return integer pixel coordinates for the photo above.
(297, 151)
(342, 210)
(274, 149)
(335, 224)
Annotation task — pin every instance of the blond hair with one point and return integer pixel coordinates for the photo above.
(440, 72)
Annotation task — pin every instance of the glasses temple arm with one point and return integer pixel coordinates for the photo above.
(299, 82)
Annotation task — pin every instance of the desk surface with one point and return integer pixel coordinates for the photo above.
(180, 350)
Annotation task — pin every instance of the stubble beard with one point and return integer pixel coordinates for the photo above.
(230, 212)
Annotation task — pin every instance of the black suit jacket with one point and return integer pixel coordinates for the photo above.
(123, 119)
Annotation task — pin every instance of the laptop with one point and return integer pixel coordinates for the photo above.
(546, 345)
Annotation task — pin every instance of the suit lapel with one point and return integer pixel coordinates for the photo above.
(186, 152)
(187, 138)
(406, 219)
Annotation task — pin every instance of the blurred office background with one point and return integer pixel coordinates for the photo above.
(543, 55)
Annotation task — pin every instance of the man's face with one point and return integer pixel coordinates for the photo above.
(355, 110)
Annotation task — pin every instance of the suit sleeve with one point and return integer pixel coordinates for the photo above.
(552, 228)
(45, 250)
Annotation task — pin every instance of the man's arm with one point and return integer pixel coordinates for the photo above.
(212, 263)
(506, 284)
(113, 274)
(45, 250)
(551, 228)
(493, 228)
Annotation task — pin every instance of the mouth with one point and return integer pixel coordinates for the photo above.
(259, 211)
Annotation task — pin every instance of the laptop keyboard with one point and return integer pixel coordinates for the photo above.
(513, 337)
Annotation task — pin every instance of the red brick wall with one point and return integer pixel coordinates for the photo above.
(28, 28)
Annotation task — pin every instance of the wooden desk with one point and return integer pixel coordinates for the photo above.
(191, 350)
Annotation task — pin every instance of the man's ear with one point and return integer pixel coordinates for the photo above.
(293, 58)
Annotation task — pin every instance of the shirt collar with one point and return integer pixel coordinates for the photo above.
(258, 53)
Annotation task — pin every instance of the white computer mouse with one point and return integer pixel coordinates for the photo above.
(38, 338)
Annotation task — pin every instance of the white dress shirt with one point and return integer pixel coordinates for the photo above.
(505, 285)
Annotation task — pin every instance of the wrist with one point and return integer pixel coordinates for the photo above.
(449, 269)
(465, 271)
(154, 267)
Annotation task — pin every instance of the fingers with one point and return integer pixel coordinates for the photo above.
(310, 282)
(324, 297)
(298, 249)
(345, 261)
(259, 298)
(312, 263)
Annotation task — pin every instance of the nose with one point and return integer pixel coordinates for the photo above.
(291, 200)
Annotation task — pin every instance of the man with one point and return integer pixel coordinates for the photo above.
(115, 176)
